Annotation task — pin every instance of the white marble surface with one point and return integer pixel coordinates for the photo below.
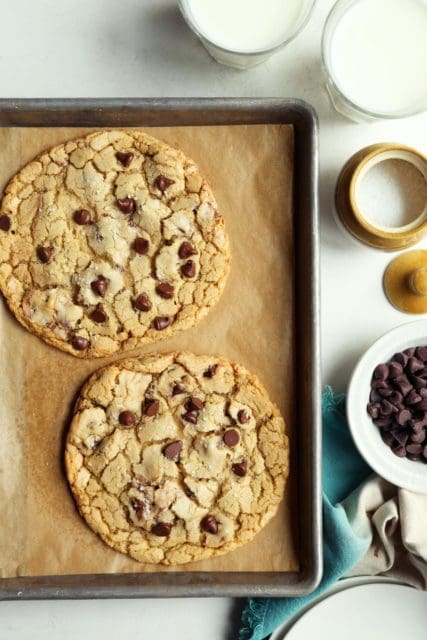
(100, 48)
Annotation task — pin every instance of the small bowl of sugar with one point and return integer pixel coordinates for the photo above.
(242, 34)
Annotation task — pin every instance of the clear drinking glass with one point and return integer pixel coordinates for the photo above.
(245, 59)
(342, 103)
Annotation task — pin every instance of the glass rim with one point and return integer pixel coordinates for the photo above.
(183, 6)
(326, 38)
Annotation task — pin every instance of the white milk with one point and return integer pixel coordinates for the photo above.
(246, 25)
(378, 55)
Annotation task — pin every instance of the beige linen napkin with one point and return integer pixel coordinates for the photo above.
(397, 522)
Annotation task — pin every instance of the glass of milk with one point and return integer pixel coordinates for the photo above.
(243, 33)
(375, 58)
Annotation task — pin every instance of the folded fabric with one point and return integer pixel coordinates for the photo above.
(369, 526)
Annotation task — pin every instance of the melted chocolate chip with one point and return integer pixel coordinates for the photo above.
(98, 314)
(162, 322)
(5, 223)
(141, 246)
(151, 406)
(79, 343)
(138, 506)
(194, 404)
(190, 416)
(142, 302)
(209, 523)
(231, 437)
(124, 157)
(44, 254)
(99, 286)
(188, 269)
(243, 416)
(186, 250)
(172, 450)
(177, 389)
(165, 290)
(163, 183)
(161, 529)
(210, 371)
(240, 468)
(127, 418)
(82, 216)
(127, 205)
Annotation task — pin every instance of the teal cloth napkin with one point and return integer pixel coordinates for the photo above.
(343, 471)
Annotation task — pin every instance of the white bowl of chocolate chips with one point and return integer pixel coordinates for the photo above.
(387, 406)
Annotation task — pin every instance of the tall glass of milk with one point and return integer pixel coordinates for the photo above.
(375, 58)
(243, 33)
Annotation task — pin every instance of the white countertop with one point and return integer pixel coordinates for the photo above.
(142, 48)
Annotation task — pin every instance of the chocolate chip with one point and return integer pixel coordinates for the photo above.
(395, 369)
(412, 398)
(186, 250)
(399, 451)
(374, 396)
(127, 205)
(5, 223)
(387, 437)
(79, 343)
(403, 385)
(418, 437)
(82, 216)
(194, 404)
(151, 406)
(379, 384)
(413, 457)
(127, 418)
(243, 416)
(162, 322)
(418, 382)
(124, 157)
(141, 246)
(142, 302)
(421, 405)
(161, 529)
(163, 183)
(190, 416)
(401, 436)
(231, 437)
(177, 389)
(209, 523)
(425, 452)
(382, 423)
(385, 393)
(415, 449)
(188, 269)
(165, 290)
(210, 371)
(44, 254)
(421, 353)
(138, 506)
(373, 409)
(99, 286)
(413, 365)
(98, 314)
(172, 450)
(401, 358)
(403, 416)
(386, 408)
(240, 468)
(409, 352)
(396, 398)
(380, 372)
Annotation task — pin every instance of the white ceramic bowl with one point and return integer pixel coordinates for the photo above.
(400, 471)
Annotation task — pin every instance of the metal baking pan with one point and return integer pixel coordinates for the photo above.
(307, 444)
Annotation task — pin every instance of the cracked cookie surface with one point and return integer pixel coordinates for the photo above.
(176, 458)
(110, 241)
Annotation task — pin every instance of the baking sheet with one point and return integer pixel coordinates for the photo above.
(250, 170)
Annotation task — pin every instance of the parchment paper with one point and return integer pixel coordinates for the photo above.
(41, 533)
